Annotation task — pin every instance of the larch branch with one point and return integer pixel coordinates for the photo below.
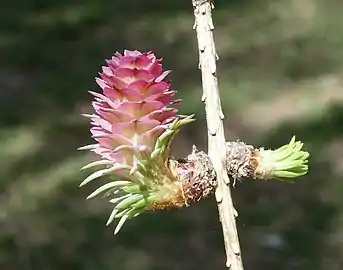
(216, 138)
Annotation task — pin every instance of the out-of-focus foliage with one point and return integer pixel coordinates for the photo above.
(280, 71)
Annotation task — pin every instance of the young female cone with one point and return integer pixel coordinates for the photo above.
(133, 126)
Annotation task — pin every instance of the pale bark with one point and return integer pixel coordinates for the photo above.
(216, 138)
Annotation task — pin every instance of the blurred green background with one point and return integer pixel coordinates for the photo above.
(280, 73)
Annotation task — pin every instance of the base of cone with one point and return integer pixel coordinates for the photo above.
(196, 179)
(197, 175)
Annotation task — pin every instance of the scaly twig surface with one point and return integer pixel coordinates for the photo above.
(216, 138)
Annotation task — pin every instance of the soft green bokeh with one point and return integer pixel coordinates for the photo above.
(280, 73)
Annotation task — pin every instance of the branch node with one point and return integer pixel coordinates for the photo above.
(194, 25)
(219, 197)
(222, 116)
(203, 98)
(235, 212)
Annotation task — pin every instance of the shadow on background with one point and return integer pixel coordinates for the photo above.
(280, 73)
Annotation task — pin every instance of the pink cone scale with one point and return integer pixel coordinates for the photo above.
(133, 126)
